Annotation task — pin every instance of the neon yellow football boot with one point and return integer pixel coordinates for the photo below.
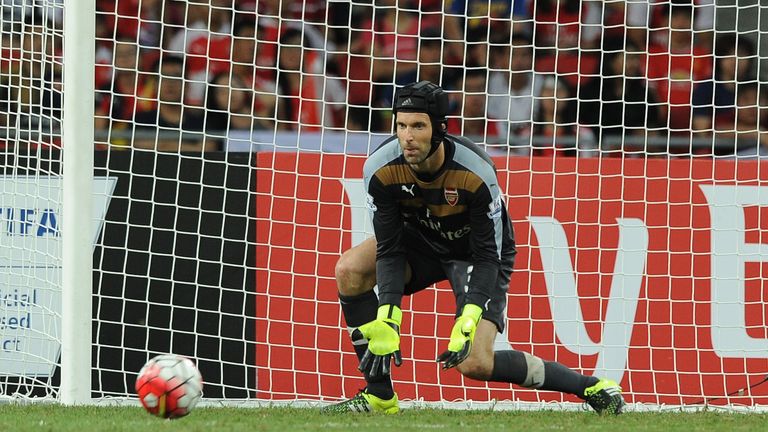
(365, 403)
(605, 397)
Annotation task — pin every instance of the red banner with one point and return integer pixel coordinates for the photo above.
(646, 271)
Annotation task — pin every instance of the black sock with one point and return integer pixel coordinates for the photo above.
(509, 366)
(512, 367)
(563, 379)
(381, 389)
(359, 310)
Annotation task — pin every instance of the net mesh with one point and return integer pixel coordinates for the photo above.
(230, 140)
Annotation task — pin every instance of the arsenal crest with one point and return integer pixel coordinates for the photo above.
(451, 196)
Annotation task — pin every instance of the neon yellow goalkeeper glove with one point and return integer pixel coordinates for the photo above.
(462, 336)
(383, 335)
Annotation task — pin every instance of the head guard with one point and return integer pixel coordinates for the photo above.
(424, 97)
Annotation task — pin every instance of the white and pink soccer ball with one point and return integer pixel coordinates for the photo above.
(169, 386)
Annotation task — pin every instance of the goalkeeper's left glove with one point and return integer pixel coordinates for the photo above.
(383, 335)
(462, 336)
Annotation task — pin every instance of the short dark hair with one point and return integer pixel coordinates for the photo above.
(289, 36)
(681, 8)
(36, 18)
(167, 59)
(748, 86)
(521, 39)
(476, 72)
(729, 42)
(247, 23)
(430, 38)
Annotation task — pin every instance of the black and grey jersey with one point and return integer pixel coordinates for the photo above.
(459, 212)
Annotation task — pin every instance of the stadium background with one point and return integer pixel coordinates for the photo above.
(615, 106)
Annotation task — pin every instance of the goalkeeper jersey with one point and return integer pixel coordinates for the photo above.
(458, 212)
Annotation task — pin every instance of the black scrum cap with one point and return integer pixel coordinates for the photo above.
(424, 97)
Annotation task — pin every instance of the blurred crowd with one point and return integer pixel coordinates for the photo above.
(545, 77)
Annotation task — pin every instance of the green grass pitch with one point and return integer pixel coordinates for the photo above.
(49, 417)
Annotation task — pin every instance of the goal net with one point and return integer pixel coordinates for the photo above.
(229, 143)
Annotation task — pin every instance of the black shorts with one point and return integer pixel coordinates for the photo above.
(427, 268)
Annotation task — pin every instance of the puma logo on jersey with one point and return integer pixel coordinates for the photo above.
(409, 190)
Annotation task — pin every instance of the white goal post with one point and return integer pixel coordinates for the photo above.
(77, 181)
(181, 177)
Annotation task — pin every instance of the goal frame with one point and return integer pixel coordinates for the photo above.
(79, 352)
(77, 173)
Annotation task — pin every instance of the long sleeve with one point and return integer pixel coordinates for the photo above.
(486, 219)
(390, 254)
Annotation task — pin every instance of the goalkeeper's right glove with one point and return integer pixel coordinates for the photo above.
(383, 335)
(462, 336)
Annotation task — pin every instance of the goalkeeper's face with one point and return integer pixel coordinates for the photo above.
(414, 131)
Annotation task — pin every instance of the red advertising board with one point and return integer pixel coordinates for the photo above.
(648, 271)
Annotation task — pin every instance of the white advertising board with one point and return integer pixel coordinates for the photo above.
(30, 269)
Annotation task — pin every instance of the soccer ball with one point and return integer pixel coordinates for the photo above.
(169, 386)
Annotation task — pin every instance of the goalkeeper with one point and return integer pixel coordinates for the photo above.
(438, 215)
